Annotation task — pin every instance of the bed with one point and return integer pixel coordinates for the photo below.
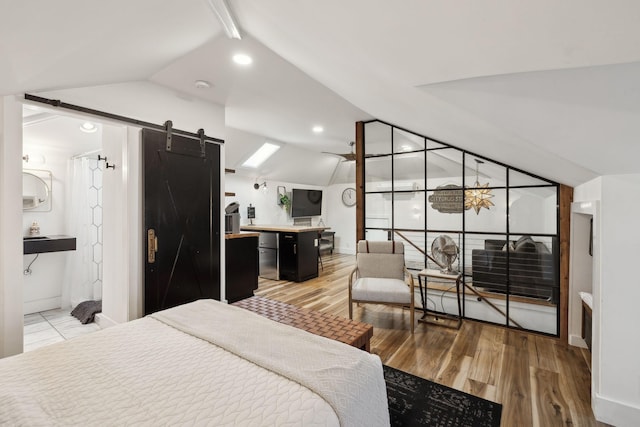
(202, 363)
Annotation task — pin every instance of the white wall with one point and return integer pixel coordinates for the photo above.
(150, 103)
(11, 292)
(340, 218)
(135, 225)
(140, 100)
(43, 287)
(265, 200)
(616, 372)
(115, 227)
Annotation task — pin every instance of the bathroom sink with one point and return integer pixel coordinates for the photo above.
(35, 238)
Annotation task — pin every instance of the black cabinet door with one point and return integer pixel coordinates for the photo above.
(298, 256)
(288, 256)
(181, 220)
(307, 256)
(241, 266)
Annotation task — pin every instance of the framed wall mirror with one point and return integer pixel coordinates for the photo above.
(36, 190)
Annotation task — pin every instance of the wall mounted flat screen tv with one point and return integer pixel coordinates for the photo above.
(305, 203)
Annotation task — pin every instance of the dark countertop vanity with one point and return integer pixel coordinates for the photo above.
(53, 243)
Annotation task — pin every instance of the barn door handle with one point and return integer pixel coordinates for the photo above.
(152, 245)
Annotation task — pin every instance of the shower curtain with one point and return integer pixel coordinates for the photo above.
(83, 272)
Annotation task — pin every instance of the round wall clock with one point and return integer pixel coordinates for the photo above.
(349, 196)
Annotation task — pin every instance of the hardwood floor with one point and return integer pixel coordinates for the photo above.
(539, 380)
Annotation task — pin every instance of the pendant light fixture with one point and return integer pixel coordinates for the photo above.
(478, 196)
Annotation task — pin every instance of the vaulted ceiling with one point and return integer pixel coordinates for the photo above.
(550, 87)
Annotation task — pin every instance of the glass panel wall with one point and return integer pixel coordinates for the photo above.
(408, 210)
(378, 173)
(443, 209)
(408, 171)
(406, 142)
(533, 210)
(500, 226)
(378, 137)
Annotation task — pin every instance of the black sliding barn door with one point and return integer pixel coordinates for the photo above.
(181, 220)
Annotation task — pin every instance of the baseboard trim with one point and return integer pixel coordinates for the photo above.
(104, 321)
(41, 305)
(346, 251)
(620, 414)
(577, 341)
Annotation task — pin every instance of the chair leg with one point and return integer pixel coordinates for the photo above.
(350, 309)
(412, 318)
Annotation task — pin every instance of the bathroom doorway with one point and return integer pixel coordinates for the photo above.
(69, 149)
(583, 258)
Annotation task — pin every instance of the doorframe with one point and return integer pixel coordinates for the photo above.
(124, 302)
(581, 213)
(591, 208)
(11, 293)
(121, 295)
(11, 289)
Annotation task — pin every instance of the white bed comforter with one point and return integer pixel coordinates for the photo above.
(350, 380)
(146, 373)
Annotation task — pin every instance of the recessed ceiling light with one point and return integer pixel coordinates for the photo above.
(242, 59)
(88, 127)
(317, 129)
(202, 84)
(405, 147)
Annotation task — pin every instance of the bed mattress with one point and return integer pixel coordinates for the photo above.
(147, 372)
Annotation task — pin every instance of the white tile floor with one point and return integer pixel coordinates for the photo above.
(52, 326)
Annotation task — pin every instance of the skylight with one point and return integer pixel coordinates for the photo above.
(261, 155)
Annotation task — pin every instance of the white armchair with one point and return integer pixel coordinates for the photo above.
(380, 277)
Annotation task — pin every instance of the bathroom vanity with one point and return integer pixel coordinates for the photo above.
(42, 244)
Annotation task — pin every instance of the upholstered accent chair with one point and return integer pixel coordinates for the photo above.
(381, 277)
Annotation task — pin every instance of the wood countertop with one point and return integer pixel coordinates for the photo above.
(283, 228)
(240, 235)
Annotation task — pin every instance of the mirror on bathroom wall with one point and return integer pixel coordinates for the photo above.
(36, 190)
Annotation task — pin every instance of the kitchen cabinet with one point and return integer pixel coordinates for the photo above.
(298, 255)
(297, 249)
(241, 265)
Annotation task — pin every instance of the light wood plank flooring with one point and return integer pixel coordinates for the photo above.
(539, 380)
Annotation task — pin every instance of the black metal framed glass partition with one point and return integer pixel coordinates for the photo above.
(500, 225)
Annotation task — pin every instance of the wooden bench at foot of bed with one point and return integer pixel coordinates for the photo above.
(354, 333)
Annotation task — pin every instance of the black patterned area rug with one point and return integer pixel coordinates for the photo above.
(414, 401)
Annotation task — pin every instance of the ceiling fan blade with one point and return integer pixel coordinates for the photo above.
(346, 156)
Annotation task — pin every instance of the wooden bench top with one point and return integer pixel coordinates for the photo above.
(354, 333)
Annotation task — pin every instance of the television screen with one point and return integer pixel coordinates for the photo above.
(305, 202)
